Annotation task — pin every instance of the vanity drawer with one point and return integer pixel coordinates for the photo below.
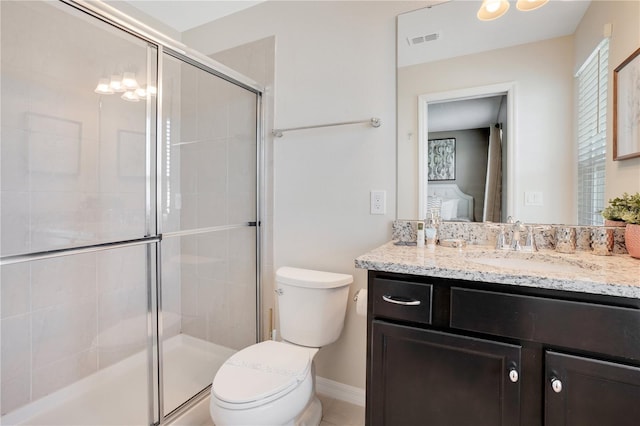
(587, 326)
(401, 300)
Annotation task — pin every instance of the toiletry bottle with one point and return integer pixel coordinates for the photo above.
(420, 234)
(430, 233)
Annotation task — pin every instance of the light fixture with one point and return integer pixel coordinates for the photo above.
(492, 9)
(103, 87)
(141, 92)
(130, 96)
(129, 81)
(527, 5)
(116, 83)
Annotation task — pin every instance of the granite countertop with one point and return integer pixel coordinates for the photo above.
(616, 275)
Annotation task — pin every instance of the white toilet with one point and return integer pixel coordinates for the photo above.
(273, 383)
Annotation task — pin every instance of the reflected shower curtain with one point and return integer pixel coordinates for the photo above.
(493, 185)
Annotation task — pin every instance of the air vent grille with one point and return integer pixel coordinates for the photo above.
(423, 39)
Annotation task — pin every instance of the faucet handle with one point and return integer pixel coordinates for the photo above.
(500, 243)
(530, 243)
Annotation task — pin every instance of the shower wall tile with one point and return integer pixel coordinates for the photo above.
(62, 331)
(15, 383)
(14, 173)
(189, 212)
(189, 155)
(62, 218)
(213, 251)
(241, 206)
(211, 165)
(15, 393)
(121, 269)
(211, 210)
(14, 220)
(63, 372)
(171, 269)
(63, 280)
(16, 347)
(13, 102)
(15, 289)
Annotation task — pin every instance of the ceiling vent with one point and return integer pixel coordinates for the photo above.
(412, 41)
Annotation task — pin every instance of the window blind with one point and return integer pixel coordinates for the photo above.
(592, 134)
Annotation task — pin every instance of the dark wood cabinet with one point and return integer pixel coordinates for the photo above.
(449, 379)
(585, 391)
(451, 352)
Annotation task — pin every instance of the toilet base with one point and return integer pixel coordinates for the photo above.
(312, 414)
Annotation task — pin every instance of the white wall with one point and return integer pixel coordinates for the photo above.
(335, 61)
(540, 71)
(621, 176)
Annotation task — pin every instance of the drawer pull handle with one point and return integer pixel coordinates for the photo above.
(398, 301)
(513, 375)
(556, 385)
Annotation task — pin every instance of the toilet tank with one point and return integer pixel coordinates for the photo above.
(312, 305)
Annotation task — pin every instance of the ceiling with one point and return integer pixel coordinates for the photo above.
(183, 15)
(460, 32)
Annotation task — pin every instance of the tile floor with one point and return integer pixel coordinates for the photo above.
(339, 413)
(334, 413)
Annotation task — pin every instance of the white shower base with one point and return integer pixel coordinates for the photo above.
(117, 395)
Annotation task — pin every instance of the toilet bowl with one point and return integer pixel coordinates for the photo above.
(270, 383)
(273, 383)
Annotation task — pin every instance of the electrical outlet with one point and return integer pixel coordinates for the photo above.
(378, 202)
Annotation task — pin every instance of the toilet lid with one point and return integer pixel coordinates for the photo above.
(272, 369)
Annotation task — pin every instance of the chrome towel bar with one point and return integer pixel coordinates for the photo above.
(374, 122)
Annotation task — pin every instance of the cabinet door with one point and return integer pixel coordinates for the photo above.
(583, 391)
(427, 377)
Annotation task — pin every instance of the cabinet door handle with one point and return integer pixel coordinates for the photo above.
(556, 385)
(399, 301)
(513, 375)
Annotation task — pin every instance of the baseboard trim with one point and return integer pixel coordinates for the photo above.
(337, 390)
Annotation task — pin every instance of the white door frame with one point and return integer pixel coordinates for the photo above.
(455, 95)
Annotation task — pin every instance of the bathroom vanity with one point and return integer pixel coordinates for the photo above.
(478, 337)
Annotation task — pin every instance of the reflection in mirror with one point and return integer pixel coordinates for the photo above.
(478, 124)
(535, 55)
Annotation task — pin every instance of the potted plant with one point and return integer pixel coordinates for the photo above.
(627, 210)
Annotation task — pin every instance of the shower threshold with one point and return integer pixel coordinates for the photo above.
(117, 395)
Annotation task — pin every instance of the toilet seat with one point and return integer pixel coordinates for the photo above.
(273, 368)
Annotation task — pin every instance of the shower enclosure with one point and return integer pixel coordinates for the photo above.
(129, 235)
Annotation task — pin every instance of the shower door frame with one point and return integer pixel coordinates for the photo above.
(164, 44)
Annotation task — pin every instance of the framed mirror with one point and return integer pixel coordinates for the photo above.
(447, 57)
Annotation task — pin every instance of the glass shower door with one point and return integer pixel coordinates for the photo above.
(77, 259)
(208, 215)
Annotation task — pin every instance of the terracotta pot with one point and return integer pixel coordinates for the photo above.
(632, 240)
(619, 223)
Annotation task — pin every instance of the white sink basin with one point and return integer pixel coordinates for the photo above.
(532, 262)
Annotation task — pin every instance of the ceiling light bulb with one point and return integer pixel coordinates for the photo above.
(492, 9)
(129, 81)
(492, 6)
(141, 92)
(527, 5)
(130, 96)
(116, 83)
(103, 87)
